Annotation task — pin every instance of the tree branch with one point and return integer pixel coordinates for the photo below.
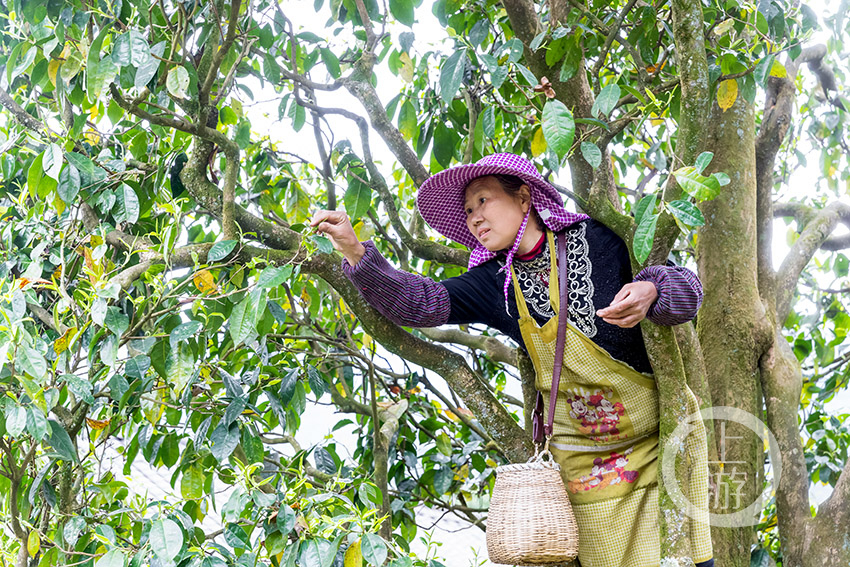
(692, 64)
(493, 347)
(812, 238)
(220, 53)
(780, 97)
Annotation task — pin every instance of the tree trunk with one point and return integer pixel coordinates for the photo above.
(729, 320)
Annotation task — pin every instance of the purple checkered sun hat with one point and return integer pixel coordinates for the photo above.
(440, 201)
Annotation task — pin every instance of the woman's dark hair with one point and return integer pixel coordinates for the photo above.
(511, 184)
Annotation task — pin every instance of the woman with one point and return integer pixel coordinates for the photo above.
(606, 417)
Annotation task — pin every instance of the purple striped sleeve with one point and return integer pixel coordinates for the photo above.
(405, 299)
(679, 294)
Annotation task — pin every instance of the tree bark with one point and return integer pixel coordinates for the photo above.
(730, 325)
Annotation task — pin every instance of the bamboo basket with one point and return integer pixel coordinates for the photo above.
(531, 521)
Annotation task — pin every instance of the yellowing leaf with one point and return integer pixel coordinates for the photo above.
(406, 67)
(60, 345)
(204, 281)
(353, 555)
(97, 424)
(538, 143)
(53, 70)
(727, 92)
(778, 70)
(33, 543)
(363, 231)
(462, 474)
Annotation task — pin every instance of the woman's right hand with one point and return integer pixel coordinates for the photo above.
(337, 226)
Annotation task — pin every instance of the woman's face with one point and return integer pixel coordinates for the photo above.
(493, 215)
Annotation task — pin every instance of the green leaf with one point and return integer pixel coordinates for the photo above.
(147, 69)
(402, 10)
(558, 127)
(72, 530)
(177, 82)
(287, 386)
(317, 384)
(121, 50)
(112, 558)
(52, 161)
(721, 178)
(235, 536)
(759, 558)
(686, 212)
(243, 134)
(591, 154)
(99, 73)
(80, 387)
(606, 100)
(324, 460)
(128, 204)
(451, 75)
(699, 187)
(357, 199)
(243, 318)
(24, 64)
(30, 361)
(35, 174)
(116, 321)
(374, 549)
(298, 115)
(137, 366)
(224, 440)
(538, 39)
(444, 444)
(166, 539)
(16, 420)
(69, 184)
(60, 441)
(488, 120)
(527, 74)
(443, 480)
(285, 519)
(183, 331)
(37, 423)
(702, 161)
(220, 250)
(140, 51)
(645, 205)
(513, 48)
(179, 367)
(407, 123)
(644, 236)
(271, 70)
(273, 277)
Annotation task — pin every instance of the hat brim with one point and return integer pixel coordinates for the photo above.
(440, 198)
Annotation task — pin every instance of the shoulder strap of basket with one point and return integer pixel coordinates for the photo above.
(563, 286)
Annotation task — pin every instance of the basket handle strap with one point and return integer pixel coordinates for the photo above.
(563, 309)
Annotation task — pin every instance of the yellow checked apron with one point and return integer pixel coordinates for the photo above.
(605, 438)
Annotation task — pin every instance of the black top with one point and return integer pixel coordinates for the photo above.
(598, 267)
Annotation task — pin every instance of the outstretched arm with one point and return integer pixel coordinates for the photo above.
(405, 299)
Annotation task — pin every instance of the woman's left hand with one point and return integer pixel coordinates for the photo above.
(630, 305)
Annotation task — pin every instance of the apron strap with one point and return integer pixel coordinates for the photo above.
(563, 286)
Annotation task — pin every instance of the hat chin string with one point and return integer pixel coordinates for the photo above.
(511, 253)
